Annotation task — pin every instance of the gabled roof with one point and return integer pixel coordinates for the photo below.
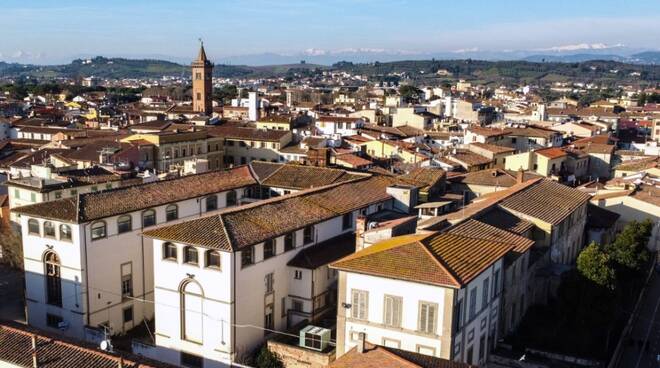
(239, 227)
(376, 356)
(299, 176)
(442, 259)
(59, 352)
(546, 200)
(113, 202)
(477, 229)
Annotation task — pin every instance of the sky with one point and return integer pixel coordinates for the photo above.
(57, 31)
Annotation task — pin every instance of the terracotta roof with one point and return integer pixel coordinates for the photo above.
(376, 356)
(93, 206)
(59, 352)
(551, 152)
(299, 176)
(492, 177)
(425, 177)
(532, 132)
(492, 147)
(325, 252)
(442, 259)
(353, 160)
(488, 132)
(338, 119)
(251, 134)
(238, 227)
(648, 193)
(639, 165)
(469, 158)
(480, 230)
(546, 200)
(505, 221)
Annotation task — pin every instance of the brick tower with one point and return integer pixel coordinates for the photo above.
(202, 90)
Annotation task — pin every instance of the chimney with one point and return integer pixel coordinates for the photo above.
(520, 176)
(360, 228)
(360, 346)
(35, 363)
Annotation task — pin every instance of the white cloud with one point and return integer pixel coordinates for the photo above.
(462, 51)
(581, 46)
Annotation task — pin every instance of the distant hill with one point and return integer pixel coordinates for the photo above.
(541, 68)
(601, 71)
(137, 68)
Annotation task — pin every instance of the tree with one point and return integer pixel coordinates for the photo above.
(11, 248)
(628, 250)
(595, 264)
(409, 92)
(268, 359)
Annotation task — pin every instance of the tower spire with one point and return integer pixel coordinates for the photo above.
(202, 54)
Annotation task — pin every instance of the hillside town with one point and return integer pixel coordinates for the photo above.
(328, 219)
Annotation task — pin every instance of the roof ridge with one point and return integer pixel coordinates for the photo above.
(440, 262)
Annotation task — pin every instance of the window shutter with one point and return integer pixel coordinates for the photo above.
(422, 317)
(396, 312)
(356, 304)
(431, 322)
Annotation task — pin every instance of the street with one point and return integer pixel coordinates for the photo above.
(643, 346)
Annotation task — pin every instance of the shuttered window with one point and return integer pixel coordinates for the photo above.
(427, 316)
(360, 305)
(392, 310)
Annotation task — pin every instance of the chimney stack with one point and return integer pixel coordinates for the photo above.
(360, 228)
(360, 346)
(520, 176)
(35, 363)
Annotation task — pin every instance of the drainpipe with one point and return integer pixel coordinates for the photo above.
(35, 360)
(89, 311)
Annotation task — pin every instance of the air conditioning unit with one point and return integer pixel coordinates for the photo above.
(315, 338)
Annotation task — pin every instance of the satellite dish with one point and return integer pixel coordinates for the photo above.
(106, 345)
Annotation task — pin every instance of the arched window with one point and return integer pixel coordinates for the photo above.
(231, 198)
(49, 229)
(148, 218)
(213, 259)
(190, 255)
(183, 152)
(65, 232)
(176, 153)
(169, 251)
(124, 224)
(33, 227)
(53, 279)
(192, 297)
(171, 212)
(211, 203)
(98, 230)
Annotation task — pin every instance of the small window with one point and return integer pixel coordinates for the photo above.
(191, 361)
(289, 241)
(128, 314)
(58, 195)
(33, 227)
(269, 281)
(127, 280)
(74, 192)
(269, 248)
(247, 256)
(49, 229)
(211, 203)
(148, 218)
(298, 275)
(231, 198)
(213, 258)
(53, 320)
(65, 232)
(98, 230)
(190, 255)
(308, 234)
(124, 224)
(171, 212)
(347, 221)
(169, 251)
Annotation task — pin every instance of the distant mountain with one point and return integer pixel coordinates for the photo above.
(575, 58)
(647, 57)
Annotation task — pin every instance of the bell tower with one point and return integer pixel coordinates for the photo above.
(202, 89)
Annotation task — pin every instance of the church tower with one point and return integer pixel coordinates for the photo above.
(202, 90)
